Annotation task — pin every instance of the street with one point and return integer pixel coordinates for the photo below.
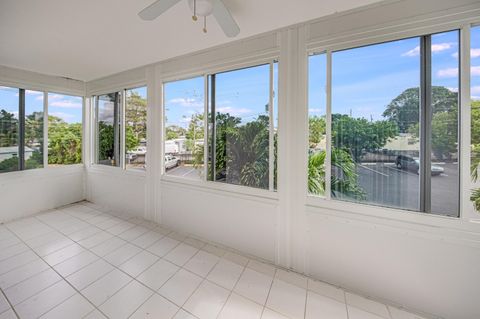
(185, 171)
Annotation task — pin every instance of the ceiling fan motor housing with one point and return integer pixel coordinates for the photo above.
(203, 8)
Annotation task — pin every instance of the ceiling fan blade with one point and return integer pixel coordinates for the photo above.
(225, 19)
(156, 9)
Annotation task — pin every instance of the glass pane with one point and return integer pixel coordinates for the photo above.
(375, 120)
(8, 129)
(475, 113)
(240, 100)
(444, 157)
(64, 129)
(33, 129)
(108, 128)
(317, 105)
(275, 124)
(136, 128)
(184, 128)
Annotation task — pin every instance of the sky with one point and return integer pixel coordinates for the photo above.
(242, 93)
(366, 79)
(69, 108)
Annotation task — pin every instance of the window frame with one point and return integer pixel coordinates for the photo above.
(269, 193)
(121, 123)
(326, 200)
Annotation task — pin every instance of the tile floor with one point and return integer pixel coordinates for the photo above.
(80, 261)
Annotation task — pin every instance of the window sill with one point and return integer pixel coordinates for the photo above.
(394, 217)
(40, 172)
(221, 188)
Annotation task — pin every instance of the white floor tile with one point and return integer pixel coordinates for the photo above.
(181, 254)
(155, 308)
(13, 250)
(321, 307)
(270, 314)
(202, 263)
(44, 301)
(138, 263)
(105, 287)
(108, 246)
(327, 290)
(4, 306)
(75, 263)
(163, 246)
(63, 254)
(367, 305)
(147, 239)
(182, 314)
(178, 288)
(53, 246)
(126, 301)
(401, 314)
(31, 286)
(17, 275)
(95, 315)
(261, 267)
(292, 278)
(122, 254)
(357, 313)
(95, 240)
(9, 314)
(133, 233)
(207, 301)
(287, 299)
(238, 307)
(120, 228)
(236, 258)
(225, 274)
(254, 286)
(89, 274)
(17, 261)
(84, 233)
(76, 307)
(155, 276)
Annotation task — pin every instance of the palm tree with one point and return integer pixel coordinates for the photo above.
(474, 171)
(345, 181)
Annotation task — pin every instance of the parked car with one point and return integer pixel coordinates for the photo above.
(171, 161)
(412, 164)
(141, 150)
(130, 157)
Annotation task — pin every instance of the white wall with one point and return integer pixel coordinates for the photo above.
(422, 262)
(26, 192)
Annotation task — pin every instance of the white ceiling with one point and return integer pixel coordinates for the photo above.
(89, 39)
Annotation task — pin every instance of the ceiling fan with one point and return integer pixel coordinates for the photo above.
(202, 8)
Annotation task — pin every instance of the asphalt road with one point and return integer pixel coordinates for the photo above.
(387, 185)
(185, 171)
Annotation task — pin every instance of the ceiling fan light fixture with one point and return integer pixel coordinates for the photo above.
(201, 8)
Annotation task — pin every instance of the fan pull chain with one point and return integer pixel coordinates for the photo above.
(194, 17)
(204, 24)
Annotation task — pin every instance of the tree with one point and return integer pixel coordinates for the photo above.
(358, 135)
(136, 115)
(404, 110)
(317, 130)
(174, 132)
(475, 140)
(64, 141)
(8, 129)
(345, 181)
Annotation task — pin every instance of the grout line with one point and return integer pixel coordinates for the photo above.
(268, 294)
(346, 305)
(9, 303)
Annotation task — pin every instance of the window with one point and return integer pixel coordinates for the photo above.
(9, 129)
(64, 129)
(241, 129)
(21, 129)
(136, 128)
(108, 129)
(184, 128)
(394, 124)
(475, 112)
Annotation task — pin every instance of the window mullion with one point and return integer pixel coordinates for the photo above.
(21, 127)
(328, 128)
(213, 120)
(271, 146)
(45, 129)
(205, 127)
(425, 124)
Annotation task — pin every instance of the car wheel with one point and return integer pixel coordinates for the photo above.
(399, 165)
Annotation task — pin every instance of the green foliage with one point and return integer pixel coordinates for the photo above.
(136, 117)
(106, 145)
(358, 135)
(64, 142)
(8, 129)
(174, 132)
(475, 140)
(9, 164)
(404, 110)
(345, 181)
(317, 129)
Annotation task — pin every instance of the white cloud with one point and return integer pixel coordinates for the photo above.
(453, 72)
(474, 53)
(28, 92)
(451, 89)
(186, 102)
(413, 52)
(436, 48)
(475, 90)
(315, 110)
(66, 104)
(62, 115)
(233, 110)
